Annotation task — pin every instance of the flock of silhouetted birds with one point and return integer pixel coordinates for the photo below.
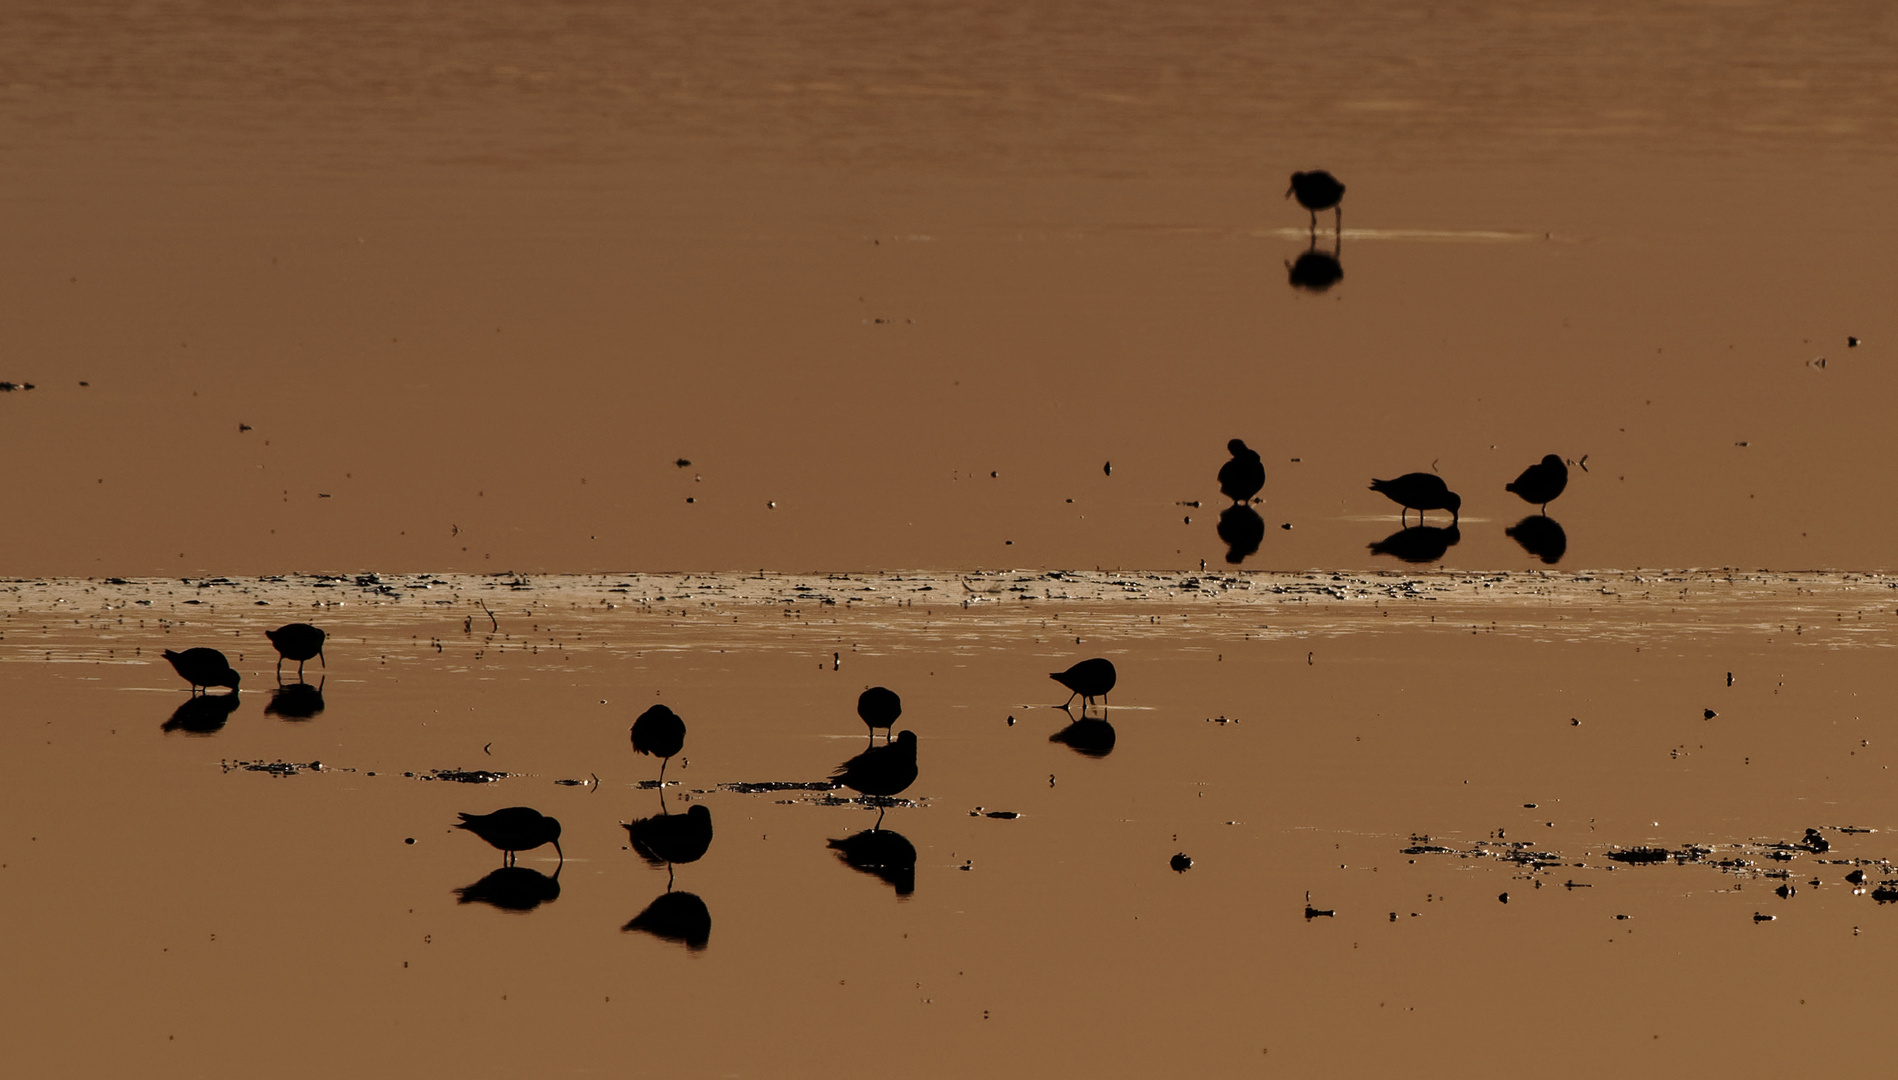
(879, 774)
(1243, 530)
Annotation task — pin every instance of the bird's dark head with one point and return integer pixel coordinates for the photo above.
(1552, 460)
(1453, 503)
(271, 634)
(1295, 179)
(229, 678)
(906, 740)
(1236, 447)
(553, 828)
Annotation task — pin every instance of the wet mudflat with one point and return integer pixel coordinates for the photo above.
(1360, 767)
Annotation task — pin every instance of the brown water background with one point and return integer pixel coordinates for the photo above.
(480, 273)
(429, 289)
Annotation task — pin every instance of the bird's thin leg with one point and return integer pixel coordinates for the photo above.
(668, 877)
(881, 810)
(299, 668)
(279, 669)
(1339, 231)
(663, 762)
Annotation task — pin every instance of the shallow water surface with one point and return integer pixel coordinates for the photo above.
(1360, 767)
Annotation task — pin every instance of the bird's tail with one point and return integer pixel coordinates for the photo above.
(1511, 486)
(169, 655)
(1380, 486)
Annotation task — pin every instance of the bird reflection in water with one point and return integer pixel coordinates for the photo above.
(883, 854)
(1242, 530)
(1419, 543)
(296, 701)
(203, 714)
(513, 888)
(1540, 536)
(1316, 271)
(678, 917)
(1094, 738)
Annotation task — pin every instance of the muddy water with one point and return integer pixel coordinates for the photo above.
(1396, 751)
(617, 290)
(400, 287)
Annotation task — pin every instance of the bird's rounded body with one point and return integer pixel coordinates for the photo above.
(658, 732)
(879, 707)
(1090, 678)
(203, 667)
(673, 838)
(1242, 477)
(1420, 491)
(297, 641)
(1540, 483)
(881, 771)
(1317, 190)
(514, 829)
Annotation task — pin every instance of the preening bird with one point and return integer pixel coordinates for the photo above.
(661, 733)
(881, 771)
(1242, 477)
(1542, 482)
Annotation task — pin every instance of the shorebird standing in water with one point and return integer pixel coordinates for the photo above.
(1542, 482)
(879, 708)
(517, 828)
(203, 667)
(1242, 477)
(297, 641)
(661, 733)
(1420, 491)
(1318, 190)
(1090, 678)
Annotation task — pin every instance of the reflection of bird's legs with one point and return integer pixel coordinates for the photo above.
(668, 877)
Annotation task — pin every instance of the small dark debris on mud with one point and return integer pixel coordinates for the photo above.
(274, 768)
(1183, 862)
(462, 776)
(751, 788)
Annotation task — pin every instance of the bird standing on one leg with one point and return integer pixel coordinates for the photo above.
(1242, 477)
(661, 733)
(1542, 482)
(1318, 190)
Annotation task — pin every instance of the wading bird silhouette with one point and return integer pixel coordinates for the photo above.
(514, 829)
(1242, 477)
(1420, 491)
(297, 641)
(661, 733)
(1318, 190)
(879, 708)
(1090, 679)
(1540, 483)
(203, 667)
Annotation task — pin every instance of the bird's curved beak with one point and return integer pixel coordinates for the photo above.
(562, 854)
(1288, 193)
